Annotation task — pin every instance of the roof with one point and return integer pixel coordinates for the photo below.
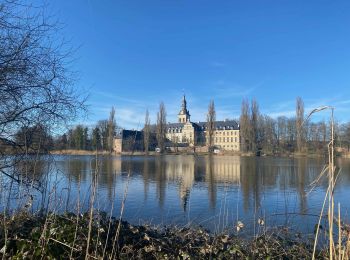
(221, 125)
(175, 125)
(124, 134)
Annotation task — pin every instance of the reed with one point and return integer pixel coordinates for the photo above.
(77, 220)
(340, 250)
(91, 209)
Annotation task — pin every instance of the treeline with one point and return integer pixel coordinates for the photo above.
(32, 139)
(262, 133)
(259, 133)
(80, 137)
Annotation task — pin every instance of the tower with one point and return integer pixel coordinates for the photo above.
(184, 114)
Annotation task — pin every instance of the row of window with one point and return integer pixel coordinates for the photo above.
(216, 139)
(225, 139)
(230, 146)
(179, 130)
(221, 128)
(175, 130)
(226, 133)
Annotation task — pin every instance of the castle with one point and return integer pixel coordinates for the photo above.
(225, 134)
(185, 133)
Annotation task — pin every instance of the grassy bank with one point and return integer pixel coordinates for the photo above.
(66, 236)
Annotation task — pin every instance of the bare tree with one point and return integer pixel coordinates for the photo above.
(102, 125)
(268, 136)
(299, 123)
(346, 135)
(36, 86)
(210, 127)
(34, 139)
(161, 126)
(244, 126)
(255, 141)
(281, 131)
(146, 132)
(323, 129)
(111, 129)
(291, 130)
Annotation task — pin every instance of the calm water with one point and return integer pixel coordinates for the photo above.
(214, 192)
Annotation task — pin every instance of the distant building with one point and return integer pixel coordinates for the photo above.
(225, 136)
(182, 134)
(128, 141)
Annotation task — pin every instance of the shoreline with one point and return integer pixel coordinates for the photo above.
(152, 153)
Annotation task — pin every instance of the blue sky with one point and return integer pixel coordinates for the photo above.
(134, 54)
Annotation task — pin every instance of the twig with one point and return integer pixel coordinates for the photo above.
(57, 241)
(77, 221)
(109, 225)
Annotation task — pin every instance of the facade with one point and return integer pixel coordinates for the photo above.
(183, 134)
(225, 136)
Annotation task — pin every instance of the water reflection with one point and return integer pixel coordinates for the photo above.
(181, 171)
(183, 188)
(254, 176)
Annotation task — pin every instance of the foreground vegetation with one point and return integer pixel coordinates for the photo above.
(66, 236)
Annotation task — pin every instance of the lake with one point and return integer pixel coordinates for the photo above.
(211, 191)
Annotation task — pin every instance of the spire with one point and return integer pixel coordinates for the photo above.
(184, 115)
(184, 103)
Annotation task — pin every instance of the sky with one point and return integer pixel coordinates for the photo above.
(134, 54)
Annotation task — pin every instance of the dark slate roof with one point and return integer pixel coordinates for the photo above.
(175, 125)
(168, 125)
(124, 134)
(219, 125)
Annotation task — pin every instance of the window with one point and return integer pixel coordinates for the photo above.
(236, 139)
(231, 139)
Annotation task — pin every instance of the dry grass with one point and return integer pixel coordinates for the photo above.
(336, 249)
(77, 152)
(140, 242)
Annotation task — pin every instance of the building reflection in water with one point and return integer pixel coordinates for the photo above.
(221, 169)
(181, 171)
(164, 187)
(186, 170)
(254, 179)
